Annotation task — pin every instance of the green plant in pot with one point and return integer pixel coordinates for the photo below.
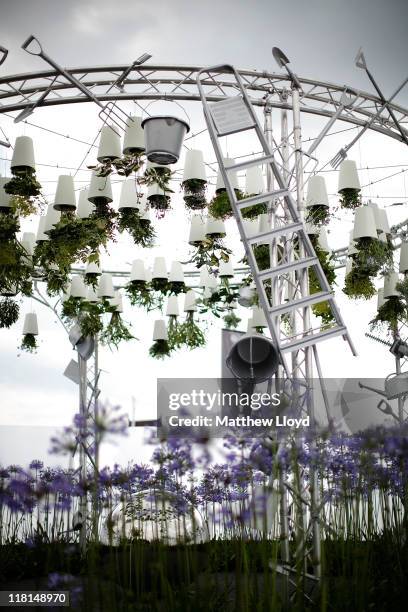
(391, 312)
(252, 212)
(318, 215)
(141, 230)
(29, 343)
(160, 349)
(209, 252)
(15, 265)
(124, 166)
(194, 193)
(190, 334)
(231, 320)
(220, 205)
(24, 189)
(141, 294)
(9, 312)
(350, 198)
(358, 284)
(322, 309)
(373, 255)
(116, 331)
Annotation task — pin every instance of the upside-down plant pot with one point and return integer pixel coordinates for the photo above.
(133, 142)
(364, 223)
(172, 309)
(65, 194)
(128, 196)
(176, 278)
(23, 159)
(52, 218)
(349, 185)
(109, 144)
(105, 288)
(403, 262)
(390, 285)
(78, 289)
(215, 228)
(194, 181)
(233, 176)
(158, 200)
(254, 181)
(85, 207)
(100, 190)
(197, 230)
(164, 137)
(30, 324)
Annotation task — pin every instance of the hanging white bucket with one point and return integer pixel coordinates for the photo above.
(364, 223)
(92, 295)
(28, 243)
(128, 196)
(390, 282)
(215, 227)
(52, 217)
(317, 192)
(154, 190)
(194, 167)
(105, 287)
(190, 302)
(349, 265)
(323, 241)
(85, 207)
(100, 190)
(211, 282)
(65, 193)
(246, 296)
(160, 330)
(380, 298)
(93, 268)
(254, 181)
(251, 227)
(381, 218)
(258, 317)
(41, 236)
(348, 176)
(233, 176)
(23, 155)
(311, 229)
(30, 324)
(352, 245)
(176, 273)
(172, 309)
(78, 288)
(117, 302)
(264, 223)
(4, 197)
(159, 268)
(138, 272)
(250, 326)
(226, 270)
(109, 144)
(164, 137)
(403, 262)
(203, 281)
(197, 230)
(133, 142)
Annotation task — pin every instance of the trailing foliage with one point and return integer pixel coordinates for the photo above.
(373, 255)
(160, 203)
(175, 287)
(29, 343)
(124, 166)
(350, 198)
(141, 294)
(24, 189)
(390, 313)
(220, 206)
(318, 215)
(160, 285)
(209, 252)
(358, 285)
(252, 212)
(159, 175)
(15, 265)
(160, 349)
(9, 311)
(116, 331)
(218, 301)
(141, 230)
(322, 309)
(194, 194)
(231, 320)
(190, 334)
(262, 256)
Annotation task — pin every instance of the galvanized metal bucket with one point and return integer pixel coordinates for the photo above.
(164, 137)
(396, 385)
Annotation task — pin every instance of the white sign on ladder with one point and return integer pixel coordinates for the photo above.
(231, 115)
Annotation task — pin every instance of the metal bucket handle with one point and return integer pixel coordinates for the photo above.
(173, 101)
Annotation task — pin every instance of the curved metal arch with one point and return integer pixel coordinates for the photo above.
(157, 82)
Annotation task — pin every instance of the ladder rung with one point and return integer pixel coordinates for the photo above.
(262, 197)
(258, 161)
(308, 300)
(314, 338)
(288, 267)
(279, 231)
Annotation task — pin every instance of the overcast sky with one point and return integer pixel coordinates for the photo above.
(321, 38)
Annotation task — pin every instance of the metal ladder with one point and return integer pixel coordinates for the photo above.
(231, 116)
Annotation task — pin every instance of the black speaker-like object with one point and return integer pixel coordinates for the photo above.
(253, 358)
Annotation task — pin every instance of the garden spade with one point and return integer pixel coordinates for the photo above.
(109, 111)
